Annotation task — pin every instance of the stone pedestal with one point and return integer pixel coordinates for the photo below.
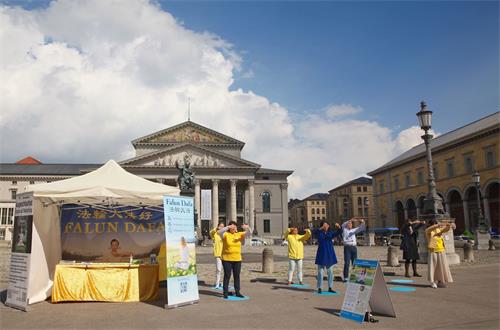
(481, 240)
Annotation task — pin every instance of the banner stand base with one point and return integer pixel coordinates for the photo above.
(24, 309)
(182, 304)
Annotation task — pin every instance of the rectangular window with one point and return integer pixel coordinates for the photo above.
(396, 183)
(358, 189)
(407, 179)
(490, 158)
(381, 187)
(365, 188)
(10, 216)
(3, 215)
(2, 234)
(450, 169)
(468, 163)
(13, 194)
(420, 177)
(267, 226)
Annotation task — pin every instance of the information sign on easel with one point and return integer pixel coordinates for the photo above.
(366, 289)
(182, 278)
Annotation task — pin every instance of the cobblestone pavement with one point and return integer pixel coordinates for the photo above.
(252, 261)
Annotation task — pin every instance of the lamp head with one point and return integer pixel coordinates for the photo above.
(424, 117)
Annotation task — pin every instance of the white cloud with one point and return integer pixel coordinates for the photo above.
(340, 110)
(81, 79)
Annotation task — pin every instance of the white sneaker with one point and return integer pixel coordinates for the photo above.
(434, 285)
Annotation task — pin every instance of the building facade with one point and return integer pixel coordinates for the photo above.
(400, 185)
(308, 212)
(352, 199)
(227, 186)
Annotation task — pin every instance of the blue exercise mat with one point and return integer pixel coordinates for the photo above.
(402, 289)
(300, 286)
(234, 298)
(326, 293)
(399, 280)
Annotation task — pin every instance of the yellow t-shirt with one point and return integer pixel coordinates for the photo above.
(231, 246)
(217, 242)
(436, 241)
(439, 244)
(296, 245)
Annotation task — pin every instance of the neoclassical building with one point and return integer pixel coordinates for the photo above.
(228, 187)
(400, 186)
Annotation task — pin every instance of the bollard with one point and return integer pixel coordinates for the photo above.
(492, 246)
(468, 252)
(392, 256)
(267, 261)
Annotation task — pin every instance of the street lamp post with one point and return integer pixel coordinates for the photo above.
(482, 235)
(370, 236)
(433, 204)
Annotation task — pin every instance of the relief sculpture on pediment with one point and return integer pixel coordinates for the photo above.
(188, 135)
(196, 160)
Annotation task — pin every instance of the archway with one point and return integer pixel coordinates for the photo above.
(400, 214)
(456, 210)
(471, 198)
(492, 193)
(411, 208)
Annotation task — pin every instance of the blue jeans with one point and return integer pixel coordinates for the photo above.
(350, 254)
(319, 277)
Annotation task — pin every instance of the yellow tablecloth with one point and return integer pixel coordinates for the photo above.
(105, 282)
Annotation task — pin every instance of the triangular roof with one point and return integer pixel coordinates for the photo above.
(109, 183)
(185, 146)
(218, 137)
(28, 161)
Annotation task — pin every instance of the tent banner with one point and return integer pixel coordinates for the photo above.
(182, 279)
(99, 234)
(20, 257)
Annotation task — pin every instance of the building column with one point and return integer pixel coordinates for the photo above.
(215, 203)
(251, 203)
(284, 206)
(197, 202)
(487, 214)
(466, 215)
(233, 199)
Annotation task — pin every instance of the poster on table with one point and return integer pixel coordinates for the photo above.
(366, 290)
(20, 257)
(182, 279)
(100, 234)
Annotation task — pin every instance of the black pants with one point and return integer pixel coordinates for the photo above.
(350, 254)
(229, 266)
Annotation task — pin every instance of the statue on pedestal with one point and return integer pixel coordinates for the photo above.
(186, 175)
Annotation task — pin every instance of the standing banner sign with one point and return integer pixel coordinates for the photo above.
(366, 288)
(17, 291)
(182, 279)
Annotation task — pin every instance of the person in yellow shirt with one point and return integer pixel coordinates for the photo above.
(231, 255)
(439, 271)
(295, 251)
(217, 254)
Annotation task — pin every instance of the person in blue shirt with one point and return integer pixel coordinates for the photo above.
(325, 256)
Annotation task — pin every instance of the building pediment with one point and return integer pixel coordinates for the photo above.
(199, 157)
(187, 132)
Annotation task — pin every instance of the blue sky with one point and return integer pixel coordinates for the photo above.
(382, 56)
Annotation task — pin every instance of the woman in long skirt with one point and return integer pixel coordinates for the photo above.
(439, 271)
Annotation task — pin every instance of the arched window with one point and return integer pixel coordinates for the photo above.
(313, 211)
(359, 201)
(317, 210)
(266, 201)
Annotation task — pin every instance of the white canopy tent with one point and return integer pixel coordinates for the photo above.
(108, 185)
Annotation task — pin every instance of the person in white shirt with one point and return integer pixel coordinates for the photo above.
(349, 237)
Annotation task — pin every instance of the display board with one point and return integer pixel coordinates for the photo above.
(111, 234)
(366, 289)
(182, 278)
(206, 204)
(20, 258)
